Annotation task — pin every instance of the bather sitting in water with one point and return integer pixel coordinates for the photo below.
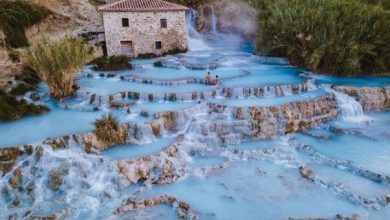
(216, 81)
(208, 79)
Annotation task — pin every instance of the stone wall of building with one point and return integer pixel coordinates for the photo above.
(144, 30)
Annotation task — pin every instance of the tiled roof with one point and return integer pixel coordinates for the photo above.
(141, 6)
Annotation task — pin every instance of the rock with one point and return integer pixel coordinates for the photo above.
(92, 99)
(306, 172)
(57, 177)
(35, 97)
(38, 152)
(371, 98)
(144, 113)
(115, 104)
(16, 180)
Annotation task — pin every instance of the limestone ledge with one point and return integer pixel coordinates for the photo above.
(183, 209)
(160, 168)
(271, 121)
(165, 122)
(266, 91)
(371, 98)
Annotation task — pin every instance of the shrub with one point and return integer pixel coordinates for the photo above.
(57, 63)
(108, 130)
(335, 36)
(15, 17)
(14, 55)
(174, 51)
(21, 88)
(146, 55)
(112, 63)
(12, 109)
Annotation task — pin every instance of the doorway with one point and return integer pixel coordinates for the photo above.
(127, 48)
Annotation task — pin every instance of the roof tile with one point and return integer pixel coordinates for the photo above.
(141, 6)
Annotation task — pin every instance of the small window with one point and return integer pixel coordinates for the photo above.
(125, 22)
(163, 23)
(158, 45)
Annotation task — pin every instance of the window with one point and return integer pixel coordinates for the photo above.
(125, 22)
(164, 23)
(158, 45)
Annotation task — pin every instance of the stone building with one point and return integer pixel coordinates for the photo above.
(134, 27)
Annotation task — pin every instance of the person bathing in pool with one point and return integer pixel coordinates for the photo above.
(216, 81)
(208, 79)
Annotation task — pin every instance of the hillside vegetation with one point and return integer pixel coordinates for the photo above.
(342, 37)
(15, 17)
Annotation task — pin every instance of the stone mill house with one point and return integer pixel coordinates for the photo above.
(134, 27)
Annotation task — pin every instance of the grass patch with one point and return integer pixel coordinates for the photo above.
(108, 130)
(112, 63)
(15, 17)
(12, 109)
(58, 62)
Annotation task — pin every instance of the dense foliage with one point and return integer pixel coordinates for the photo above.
(334, 36)
(15, 17)
(13, 109)
(112, 63)
(27, 80)
(58, 62)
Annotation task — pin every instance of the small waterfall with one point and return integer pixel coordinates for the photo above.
(351, 110)
(213, 21)
(195, 40)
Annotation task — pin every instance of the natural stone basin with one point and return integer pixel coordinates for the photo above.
(269, 101)
(255, 188)
(111, 86)
(175, 74)
(137, 150)
(365, 145)
(162, 106)
(358, 81)
(57, 122)
(266, 75)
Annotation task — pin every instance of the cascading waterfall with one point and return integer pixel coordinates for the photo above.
(351, 110)
(213, 21)
(79, 183)
(195, 40)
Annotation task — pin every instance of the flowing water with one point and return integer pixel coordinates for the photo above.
(224, 174)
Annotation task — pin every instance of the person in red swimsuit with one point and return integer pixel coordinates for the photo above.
(208, 79)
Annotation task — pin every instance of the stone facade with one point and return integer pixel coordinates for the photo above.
(144, 30)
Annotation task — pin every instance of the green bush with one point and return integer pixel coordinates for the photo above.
(14, 55)
(22, 88)
(15, 17)
(12, 109)
(146, 55)
(342, 37)
(58, 62)
(112, 63)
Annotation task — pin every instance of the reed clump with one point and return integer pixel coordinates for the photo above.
(57, 63)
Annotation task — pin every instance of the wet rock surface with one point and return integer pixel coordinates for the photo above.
(183, 209)
(371, 98)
